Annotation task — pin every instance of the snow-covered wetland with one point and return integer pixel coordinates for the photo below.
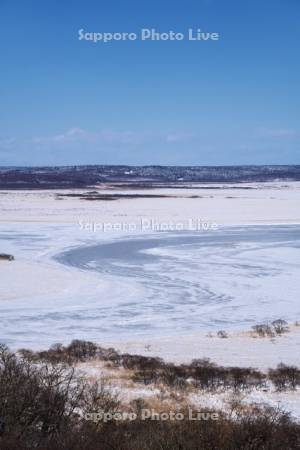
(68, 282)
(157, 293)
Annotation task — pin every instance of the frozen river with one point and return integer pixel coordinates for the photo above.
(161, 284)
(211, 279)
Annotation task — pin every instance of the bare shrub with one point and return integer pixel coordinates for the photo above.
(38, 401)
(263, 330)
(201, 373)
(277, 327)
(285, 377)
(280, 326)
(141, 362)
(82, 350)
(222, 334)
(76, 351)
(43, 407)
(242, 378)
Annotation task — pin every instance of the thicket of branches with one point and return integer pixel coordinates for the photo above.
(43, 403)
(201, 373)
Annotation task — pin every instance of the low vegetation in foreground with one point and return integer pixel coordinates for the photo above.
(45, 402)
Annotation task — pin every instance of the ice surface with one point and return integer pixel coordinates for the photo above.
(159, 284)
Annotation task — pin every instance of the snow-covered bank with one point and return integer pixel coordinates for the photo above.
(238, 349)
(247, 203)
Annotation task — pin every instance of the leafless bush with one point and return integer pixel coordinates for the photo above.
(277, 327)
(240, 378)
(222, 334)
(280, 326)
(285, 377)
(140, 362)
(263, 330)
(43, 406)
(202, 374)
(76, 351)
(40, 400)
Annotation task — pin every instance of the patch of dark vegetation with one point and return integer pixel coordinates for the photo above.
(260, 430)
(41, 402)
(276, 328)
(280, 326)
(174, 185)
(44, 406)
(285, 377)
(222, 334)
(201, 373)
(6, 257)
(96, 196)
(76, 351)
(208, 375)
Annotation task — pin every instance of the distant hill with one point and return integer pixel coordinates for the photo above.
(87, 176)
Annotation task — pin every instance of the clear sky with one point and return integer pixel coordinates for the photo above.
(70, 101)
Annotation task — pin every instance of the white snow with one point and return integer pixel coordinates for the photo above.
(42, 301)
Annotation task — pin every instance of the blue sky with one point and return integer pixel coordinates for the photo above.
(232, 101)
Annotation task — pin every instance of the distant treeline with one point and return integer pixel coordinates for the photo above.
(140, 176)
